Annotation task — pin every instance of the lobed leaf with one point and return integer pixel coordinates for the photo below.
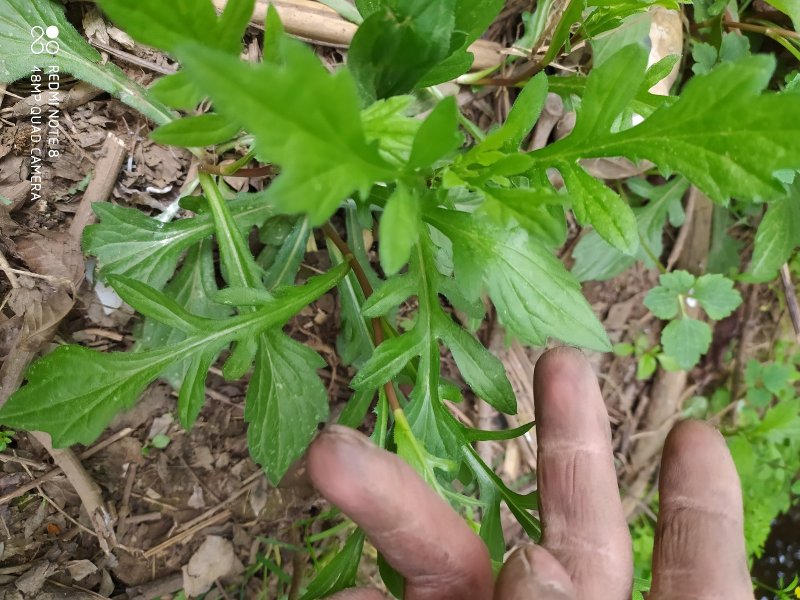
(596, 204)
(777, 236)
(398, 43)
(285, 402)
(76, 409)
(127, 242)
(716, 295)
(685, 340)
(320, 147)
(535, 296)
(438, 135)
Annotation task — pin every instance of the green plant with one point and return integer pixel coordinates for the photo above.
(685, 339)
(6, 437)
(765, 446)
(647, 357)
(784, 591)
(458, 217)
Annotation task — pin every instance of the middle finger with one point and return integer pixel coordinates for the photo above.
(582, 519)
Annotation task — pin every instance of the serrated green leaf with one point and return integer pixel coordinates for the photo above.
(524, 113)
(396, 45)
(321, 148)
(389, 295)
(285, 402)
(777, 236)
(193, 288)
(177, 91)
(386, 123)
(127, 242)
(686, 340)
(776, 376)
(535, 296)
(76, 409)
(340, 572)
(196, 131)
(482, 371)
(723, 134)
(387, 361)
(716, 295)
(704, 56)
(24, 50)
(597, 259)
(168, 25)
(192, 393)
(399, 229)
(662, 302)
(539, 212)
(599, 206)
(438, 135)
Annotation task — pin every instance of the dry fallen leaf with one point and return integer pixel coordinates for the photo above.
(95, 27)
(213, 559)
(41, 308)
(54, 254)
(80, 569)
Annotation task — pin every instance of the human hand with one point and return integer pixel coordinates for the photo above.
(585, 552)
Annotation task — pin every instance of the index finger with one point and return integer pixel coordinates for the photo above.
(582, 519)
(418, 533)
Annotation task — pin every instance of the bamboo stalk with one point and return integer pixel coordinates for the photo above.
(319, 24)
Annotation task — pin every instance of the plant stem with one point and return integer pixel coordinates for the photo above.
(239, 163)
(361, 276)
(767, 30)
(651, 254)
(252, 172)
(472, 128)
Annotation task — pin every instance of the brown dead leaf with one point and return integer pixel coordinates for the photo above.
(214, 559)
(80, 569)
(16, 193)
(41, 307)
(54, 254)
(95, 27)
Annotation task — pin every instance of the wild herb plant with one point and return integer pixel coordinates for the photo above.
(461, 215)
